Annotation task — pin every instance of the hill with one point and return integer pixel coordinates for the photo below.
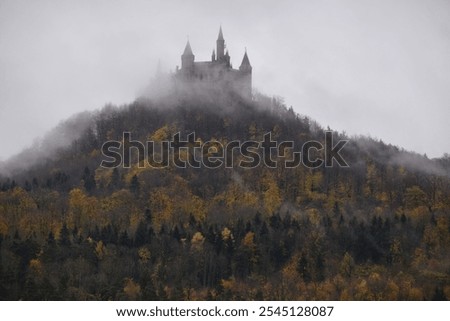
(376, 229)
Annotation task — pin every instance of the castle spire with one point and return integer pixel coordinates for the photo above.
(246, 71)
(220, 34)
(187, 58)
(188, 50)
(245, 62)
(220, 46)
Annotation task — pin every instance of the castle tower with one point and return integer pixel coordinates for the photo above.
(220, 46)
(245, 65)
(246, 76)
(187, 59)
(227, 58)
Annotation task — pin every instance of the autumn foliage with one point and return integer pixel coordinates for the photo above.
(378, 230)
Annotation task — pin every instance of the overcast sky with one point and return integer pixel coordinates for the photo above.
(379, 68)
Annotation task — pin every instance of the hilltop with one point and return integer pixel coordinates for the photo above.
(71, 229)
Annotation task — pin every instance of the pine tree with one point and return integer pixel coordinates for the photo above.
(134, 185)
(64, 236)
(303, 268)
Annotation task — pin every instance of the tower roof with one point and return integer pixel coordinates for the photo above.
(220, 34)
(245, 61)
(188, 50)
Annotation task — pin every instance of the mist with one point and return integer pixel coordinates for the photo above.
(46, 148)
(364, 67)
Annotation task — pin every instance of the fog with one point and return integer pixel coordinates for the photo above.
(377, 68)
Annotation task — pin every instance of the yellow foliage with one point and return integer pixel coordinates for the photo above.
(118, 200)
(197, 240)
(144, 254)
(362, 291)
(196, 206)
(249, 199)
(415, 197)
(417, 213)
(372, 179)
(161, 205)
(100, 250)
(347, 265)
(248, 241)
(160, 134)
(176, 203)
(276, 132)
(431, 240)
(419, 258)
(117, 209)
(383, 197)
(229, 284)
(103, 176)
(314, 216)
(447, 291)
(83, 209)
(237, 196)
(94, 153)
(325, 291)
(17, 209)
(271, 195)
(132, 289)
(22, 200)
(36, 266)
(226, 234)
(345, 295)
(396, 251)
(392, 291)
(3, 226)
(443, 231)
(415, 294)
(376, 284)
(135, 219)
(289, 272)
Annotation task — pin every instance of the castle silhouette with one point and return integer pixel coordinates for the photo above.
(218, 72)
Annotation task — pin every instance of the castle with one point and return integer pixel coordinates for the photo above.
(218, 72)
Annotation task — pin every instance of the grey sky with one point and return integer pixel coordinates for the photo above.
(378, 67)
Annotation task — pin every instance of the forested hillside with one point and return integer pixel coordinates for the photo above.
(70, 229)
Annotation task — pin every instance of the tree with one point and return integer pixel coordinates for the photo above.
(303, 268)
(347, 265)
(134, 185)
(272, 195)
(131, 289)
(64, 236)
(439, 294)
(89, 180)
(141, 235)
(115, 180)
(415, 197)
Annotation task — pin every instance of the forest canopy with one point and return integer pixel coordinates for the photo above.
(70, 229)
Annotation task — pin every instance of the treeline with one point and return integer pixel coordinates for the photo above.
(377, 230)
(273, 258)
